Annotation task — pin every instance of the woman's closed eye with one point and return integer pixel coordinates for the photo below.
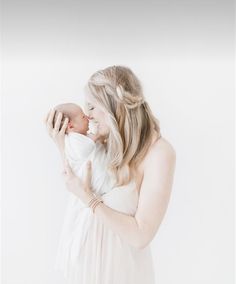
(90, 107)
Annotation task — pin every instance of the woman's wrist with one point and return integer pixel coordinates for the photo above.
(92, 200)
(88, 196)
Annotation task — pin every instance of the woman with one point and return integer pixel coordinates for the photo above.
(121, 228)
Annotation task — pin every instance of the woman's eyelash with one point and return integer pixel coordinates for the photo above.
(90, 108)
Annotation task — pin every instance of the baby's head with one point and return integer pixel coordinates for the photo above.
(78, 121)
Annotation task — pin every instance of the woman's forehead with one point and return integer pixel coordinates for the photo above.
(88, 94)
(89, 98)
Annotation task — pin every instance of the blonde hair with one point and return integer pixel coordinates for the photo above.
(118, 92)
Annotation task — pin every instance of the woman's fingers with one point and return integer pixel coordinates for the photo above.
(58, 122)
(51, 116)
(50, 120)
(64, 126)
(88, 176)
(46, 118)
(67, 166)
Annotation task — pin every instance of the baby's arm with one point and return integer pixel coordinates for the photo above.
(62, 153)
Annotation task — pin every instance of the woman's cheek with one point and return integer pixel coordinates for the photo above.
(101, 118)
(105, 126)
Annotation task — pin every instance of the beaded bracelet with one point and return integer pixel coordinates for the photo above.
(94, 202)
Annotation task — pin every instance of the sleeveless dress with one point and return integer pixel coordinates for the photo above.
(91, 253)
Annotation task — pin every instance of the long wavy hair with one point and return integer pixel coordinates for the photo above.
(118, 92)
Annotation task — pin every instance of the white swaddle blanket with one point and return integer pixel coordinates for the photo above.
(78, 147)
(78, 216)
(78, 150)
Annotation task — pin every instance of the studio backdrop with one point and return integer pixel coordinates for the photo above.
(182, 52)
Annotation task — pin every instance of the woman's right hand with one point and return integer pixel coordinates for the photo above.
(57, 135)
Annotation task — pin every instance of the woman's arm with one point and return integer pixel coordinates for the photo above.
(61, 149)
(155, 191)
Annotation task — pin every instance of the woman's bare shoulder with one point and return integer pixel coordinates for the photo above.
(160, 149)
(162, 145)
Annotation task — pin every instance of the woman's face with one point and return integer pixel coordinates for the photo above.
(97, 115)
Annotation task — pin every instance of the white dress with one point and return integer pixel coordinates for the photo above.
(91, 253)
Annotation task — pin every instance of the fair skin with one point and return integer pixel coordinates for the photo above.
(79, 121)
(154, 181)
(98, 116)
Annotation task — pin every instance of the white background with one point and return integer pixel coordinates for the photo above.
(187, 76)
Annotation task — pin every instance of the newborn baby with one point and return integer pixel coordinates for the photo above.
(78, 120)
(80, 144)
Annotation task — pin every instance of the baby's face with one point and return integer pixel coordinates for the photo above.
(79, 122)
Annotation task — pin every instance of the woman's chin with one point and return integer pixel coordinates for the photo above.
(93, 128)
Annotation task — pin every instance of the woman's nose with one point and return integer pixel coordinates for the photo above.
(88, 117)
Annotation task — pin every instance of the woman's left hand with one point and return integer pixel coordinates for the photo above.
(81, 188)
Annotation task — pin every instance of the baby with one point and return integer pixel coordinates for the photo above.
(78, 120)
(80, 144)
